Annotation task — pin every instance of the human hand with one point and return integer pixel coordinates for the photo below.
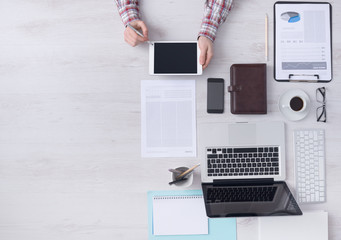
(206, 51)
(131, 37)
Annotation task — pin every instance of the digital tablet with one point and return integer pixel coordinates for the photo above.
(174, 58)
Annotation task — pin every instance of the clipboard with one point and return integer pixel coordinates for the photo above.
(303, 41)
(218, 228)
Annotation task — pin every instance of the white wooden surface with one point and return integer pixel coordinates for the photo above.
(70, 165)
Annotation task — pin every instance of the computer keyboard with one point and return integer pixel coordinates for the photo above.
(310, 165)
(241, 194)
(241, 161)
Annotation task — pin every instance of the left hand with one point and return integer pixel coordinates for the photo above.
(206, 51)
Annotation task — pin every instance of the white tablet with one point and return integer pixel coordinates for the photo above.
(174, 58)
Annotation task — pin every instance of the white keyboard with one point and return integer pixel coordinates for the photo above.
(310, 165)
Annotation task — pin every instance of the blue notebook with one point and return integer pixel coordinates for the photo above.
(218, 228)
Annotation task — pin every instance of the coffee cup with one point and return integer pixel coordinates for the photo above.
(294, 104)
(297, 104)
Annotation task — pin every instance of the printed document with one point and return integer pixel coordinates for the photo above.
(303, 41)
(168, 118)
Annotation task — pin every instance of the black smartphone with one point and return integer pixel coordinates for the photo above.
(215, 95)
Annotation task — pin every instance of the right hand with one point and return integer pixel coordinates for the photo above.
(131, 37)
(206, 51)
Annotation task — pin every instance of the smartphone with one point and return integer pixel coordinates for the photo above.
(215, 95)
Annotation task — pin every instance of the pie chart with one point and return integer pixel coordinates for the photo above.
(291, 17)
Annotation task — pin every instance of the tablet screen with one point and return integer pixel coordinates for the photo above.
(174, 58)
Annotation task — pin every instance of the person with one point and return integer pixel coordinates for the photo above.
(215, 14)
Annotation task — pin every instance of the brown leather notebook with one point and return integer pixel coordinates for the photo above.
(248, 88)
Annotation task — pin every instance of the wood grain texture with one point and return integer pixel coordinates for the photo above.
(70, 159)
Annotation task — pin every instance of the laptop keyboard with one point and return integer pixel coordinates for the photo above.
(228, 161)
(241, 194)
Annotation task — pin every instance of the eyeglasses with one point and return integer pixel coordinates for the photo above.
(321, 114)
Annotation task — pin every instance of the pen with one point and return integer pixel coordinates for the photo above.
(186, 174)
(135, 30)
(138, 32)
(266, 36)
(176, 181)
(187, 171)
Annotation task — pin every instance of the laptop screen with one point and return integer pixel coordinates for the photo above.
(247, 200)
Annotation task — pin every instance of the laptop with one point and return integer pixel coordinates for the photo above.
(243, 170)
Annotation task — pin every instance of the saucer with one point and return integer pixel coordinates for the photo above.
(283, 105)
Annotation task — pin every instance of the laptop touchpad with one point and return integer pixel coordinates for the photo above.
(242, 133)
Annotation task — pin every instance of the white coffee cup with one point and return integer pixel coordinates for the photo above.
(296, 104)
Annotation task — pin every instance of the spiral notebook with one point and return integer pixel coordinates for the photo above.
(181, 215)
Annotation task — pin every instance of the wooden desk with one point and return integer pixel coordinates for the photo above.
(70, 162)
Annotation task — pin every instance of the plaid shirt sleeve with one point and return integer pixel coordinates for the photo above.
(128, 10)
(215, 14)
